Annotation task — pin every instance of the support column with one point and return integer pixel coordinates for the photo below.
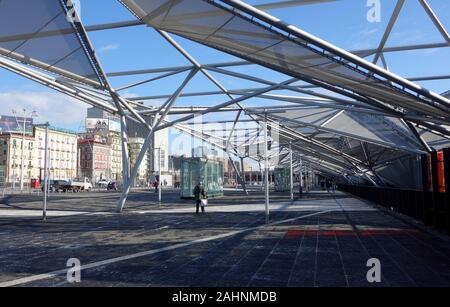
(160, 177)
(239, 176)
(134, 171)
(261, 173)
(291, 174)
(125, 153)
(309, 179)
(301, 177)
(244, 184)
(266, 170)
(22, 156)
(44, 209)
(156, 124)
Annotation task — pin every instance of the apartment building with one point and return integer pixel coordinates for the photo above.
(134, 148)
(62, 155)
(94, 160)
(11, 158)
(114, 141)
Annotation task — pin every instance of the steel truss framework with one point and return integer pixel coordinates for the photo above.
(332, 126)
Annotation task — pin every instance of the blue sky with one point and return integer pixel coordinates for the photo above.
(343, 23)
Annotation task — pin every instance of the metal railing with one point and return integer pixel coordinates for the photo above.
(432, 208)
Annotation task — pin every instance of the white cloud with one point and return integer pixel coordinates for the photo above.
(109, 47)
(368, 32)
(59, 110)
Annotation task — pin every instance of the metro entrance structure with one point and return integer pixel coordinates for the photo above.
(341, 113)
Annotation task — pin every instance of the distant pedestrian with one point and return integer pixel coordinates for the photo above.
(328, 185)
(200, 197)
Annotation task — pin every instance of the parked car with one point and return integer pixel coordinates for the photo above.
(78, 185)
(103, 183)
(112, 186)
(55, 185)
(75, 185)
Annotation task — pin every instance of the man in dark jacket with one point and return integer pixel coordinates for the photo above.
(199, 194)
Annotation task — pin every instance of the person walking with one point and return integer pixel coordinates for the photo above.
(199, 194)
(328, 184)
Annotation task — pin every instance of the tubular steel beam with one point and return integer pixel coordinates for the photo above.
(239, 5)
(388, 30)
(435, 20)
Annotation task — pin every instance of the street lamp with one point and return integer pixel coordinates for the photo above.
(44, 206)
(22, 147)
(159, 179)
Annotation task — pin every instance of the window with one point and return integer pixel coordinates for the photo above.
(162, 157)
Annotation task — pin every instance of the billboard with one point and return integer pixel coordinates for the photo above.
(114, 126)
(99, 124)
(12, 124)
(102, 124)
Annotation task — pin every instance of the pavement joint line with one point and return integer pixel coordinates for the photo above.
(53, 214)
(33, 278)
(235, 225)
(416, 258)
(297, 256)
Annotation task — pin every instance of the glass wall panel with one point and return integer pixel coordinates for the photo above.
(209, 173)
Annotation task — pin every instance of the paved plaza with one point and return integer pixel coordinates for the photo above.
(320, 240)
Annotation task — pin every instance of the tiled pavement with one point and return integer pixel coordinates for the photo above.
(320, 240)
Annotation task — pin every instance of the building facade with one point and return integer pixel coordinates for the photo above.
(2, 176)
(159, 143)
(161, 146)
(99, 113)
(62, 156)
(137, 132)
(115, 143)
(94, 160)
(11, 158)
(205, 152)
(134, 148)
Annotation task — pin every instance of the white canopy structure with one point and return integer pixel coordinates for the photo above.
(340, 112)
